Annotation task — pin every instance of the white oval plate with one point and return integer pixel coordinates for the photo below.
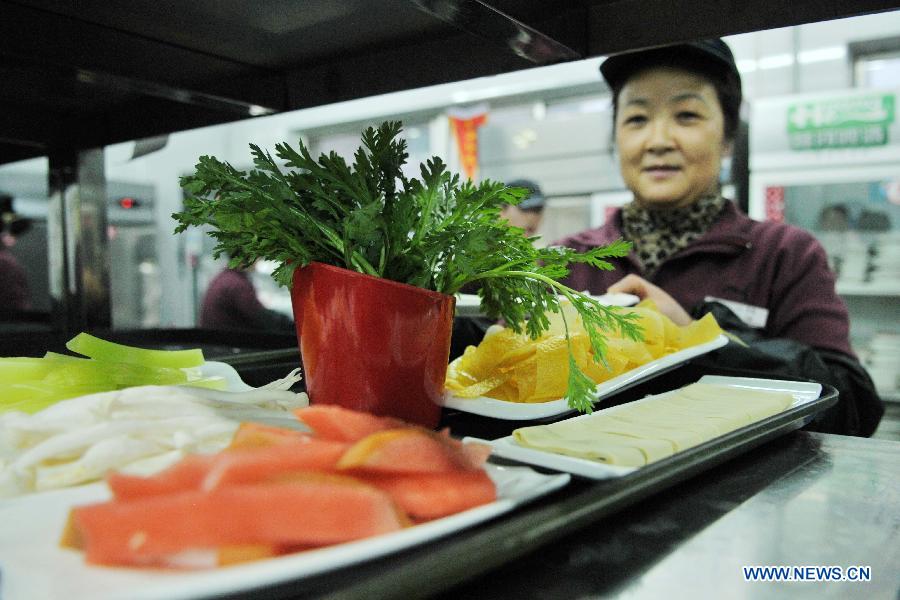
(469, 305)
(517, 411)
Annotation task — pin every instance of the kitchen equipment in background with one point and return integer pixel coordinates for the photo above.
(29, 192)
(883, 362)
(885, 259)
(135, 282)
(849, 258)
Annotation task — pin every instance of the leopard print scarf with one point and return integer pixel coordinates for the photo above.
(658, 234)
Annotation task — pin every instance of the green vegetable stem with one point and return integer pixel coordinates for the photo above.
(30, 384)
(436, 232)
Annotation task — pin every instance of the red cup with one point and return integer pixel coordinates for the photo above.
(371, 344)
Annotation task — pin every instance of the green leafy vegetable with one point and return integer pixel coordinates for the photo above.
(436, 232)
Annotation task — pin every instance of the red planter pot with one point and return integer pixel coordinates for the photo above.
(372, 344)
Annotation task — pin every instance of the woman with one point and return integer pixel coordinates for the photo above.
(15, 296)
(528, 213)
(676, 111)
(230, 302)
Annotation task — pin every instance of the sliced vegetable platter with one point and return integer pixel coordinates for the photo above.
(67, 420)
(802, 393)
(29, 548)
(146, 542)
(511, 411)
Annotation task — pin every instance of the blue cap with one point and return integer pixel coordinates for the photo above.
(534, 200)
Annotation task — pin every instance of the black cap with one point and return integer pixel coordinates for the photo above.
(10, 220)
(713, 54)
(534, 200)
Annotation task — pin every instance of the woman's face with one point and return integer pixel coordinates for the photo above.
(670, 134)
(529, 220)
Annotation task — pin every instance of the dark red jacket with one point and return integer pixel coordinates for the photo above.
(772, 265)
(14, 294)
(231, 302)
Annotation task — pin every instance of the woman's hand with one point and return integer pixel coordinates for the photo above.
(643, 289)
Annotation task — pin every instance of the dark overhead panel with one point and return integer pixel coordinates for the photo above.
(630, 24)
(93, 72)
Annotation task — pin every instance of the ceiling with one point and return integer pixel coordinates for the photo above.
(90, 73)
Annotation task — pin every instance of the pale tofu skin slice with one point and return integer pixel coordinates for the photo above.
(605, 448)
(657, 427)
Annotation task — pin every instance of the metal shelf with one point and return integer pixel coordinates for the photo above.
(78, 74)
(845, 288)
(893, 396)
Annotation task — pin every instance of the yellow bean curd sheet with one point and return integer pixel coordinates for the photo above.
(513, 367)
(658, 426)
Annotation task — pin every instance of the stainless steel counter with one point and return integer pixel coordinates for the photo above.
(840, 506)
(808, 499)
(805, 499)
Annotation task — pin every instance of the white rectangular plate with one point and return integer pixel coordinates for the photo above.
(34, 567)
(519, 411)
(469, 305)
(507, 447)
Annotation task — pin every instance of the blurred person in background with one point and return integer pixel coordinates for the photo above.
(14, 293)
(231, 302)
(676, 111)
(528, 213)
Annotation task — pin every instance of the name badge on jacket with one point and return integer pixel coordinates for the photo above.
(754, 316)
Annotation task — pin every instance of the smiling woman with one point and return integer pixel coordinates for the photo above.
(676, 111)
(670, 135)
